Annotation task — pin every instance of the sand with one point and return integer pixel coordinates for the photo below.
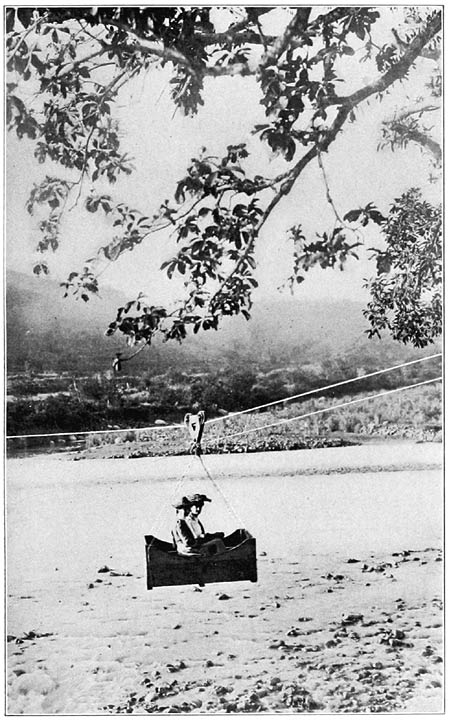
(346, 615)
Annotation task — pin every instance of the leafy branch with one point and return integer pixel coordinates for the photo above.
(219, 209)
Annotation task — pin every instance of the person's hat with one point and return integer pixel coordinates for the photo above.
(197, 499)
(183, 503)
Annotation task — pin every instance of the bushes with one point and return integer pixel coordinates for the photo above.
(59, 413)
(102, 402)
(26, 386)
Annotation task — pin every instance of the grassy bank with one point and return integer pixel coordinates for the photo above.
(414, 414)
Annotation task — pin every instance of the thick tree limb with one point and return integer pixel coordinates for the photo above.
(397, 71)
(295, 27)
(234, 35)
(426, 142)
(278, 44)
(426, 52)
(403, 128)
(240, 33)
(420, 137)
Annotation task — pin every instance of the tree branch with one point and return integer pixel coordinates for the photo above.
(25, 35)
(421, 138)
(397, 71)
(278, 45)
(240, 34)
(403, 131)
(295, 27)
(70, 66)
(328, 192)
(165, 53)
(84, 168)
(285, 189)
(413, 111)
(426, 52)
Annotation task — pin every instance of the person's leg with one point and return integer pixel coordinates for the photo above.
(187, 552)
(213, 547)
(214, 536)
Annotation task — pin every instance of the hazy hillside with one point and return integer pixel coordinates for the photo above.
(47, 332)
(44, 328)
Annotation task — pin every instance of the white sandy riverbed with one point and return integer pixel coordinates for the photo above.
(93, 644)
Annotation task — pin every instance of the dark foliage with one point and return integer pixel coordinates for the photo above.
(219, 208)
(103, 402)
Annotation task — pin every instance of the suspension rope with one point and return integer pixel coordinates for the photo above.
(217, 487)
(322, 410)
(231, 415)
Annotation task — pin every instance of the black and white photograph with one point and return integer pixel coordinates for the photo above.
(223, 304)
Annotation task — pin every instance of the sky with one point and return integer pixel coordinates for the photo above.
(162, 141)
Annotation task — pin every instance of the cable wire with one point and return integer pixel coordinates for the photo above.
(153, 428)
(322, 389)
(322, 410)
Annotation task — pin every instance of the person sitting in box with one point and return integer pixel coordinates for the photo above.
(189, 535)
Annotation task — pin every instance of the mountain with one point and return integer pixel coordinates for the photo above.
(47, 332)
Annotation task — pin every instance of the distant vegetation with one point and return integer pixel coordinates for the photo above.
(415, 414)
(63, 382)
(104, 402)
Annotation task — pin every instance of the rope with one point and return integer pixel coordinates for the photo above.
(322, 410)
(230, 415)
(158, 521)
(217, 487)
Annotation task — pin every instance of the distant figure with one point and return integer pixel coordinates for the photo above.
(117, 363)
(189, 535)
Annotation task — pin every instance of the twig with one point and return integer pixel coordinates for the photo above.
(328, 193)
(130, 357)
(83, 170)
(30, 30)
(262, 36)
(414, 111)
(68, 67)
(285, 188)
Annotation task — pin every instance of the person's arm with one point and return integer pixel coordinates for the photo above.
(205, 537)
(211, 536)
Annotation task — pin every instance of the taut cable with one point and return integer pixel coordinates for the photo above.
(322, 410)
(232, 415)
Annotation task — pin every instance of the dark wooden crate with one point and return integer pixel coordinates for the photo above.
(165, 567)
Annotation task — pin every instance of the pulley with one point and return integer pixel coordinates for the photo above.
(195, 426)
